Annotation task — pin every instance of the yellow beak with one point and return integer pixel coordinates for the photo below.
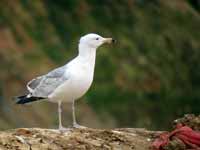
(109, 40)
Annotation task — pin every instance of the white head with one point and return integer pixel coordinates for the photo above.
(94, 40)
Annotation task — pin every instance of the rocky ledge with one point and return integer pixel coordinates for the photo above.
(76, 139)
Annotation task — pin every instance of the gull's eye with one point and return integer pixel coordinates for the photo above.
(97, 38)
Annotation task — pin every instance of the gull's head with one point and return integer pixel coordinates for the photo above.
(94, 40)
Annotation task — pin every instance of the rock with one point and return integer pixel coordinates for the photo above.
(78, 139)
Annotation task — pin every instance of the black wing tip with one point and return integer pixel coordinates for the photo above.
(20, 102)
(24, 99)
(18, 99)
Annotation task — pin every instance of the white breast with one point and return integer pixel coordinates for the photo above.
(81, 81)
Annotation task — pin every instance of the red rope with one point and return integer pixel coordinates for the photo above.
(187, 135)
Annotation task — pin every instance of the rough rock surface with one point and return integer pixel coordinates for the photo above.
(90, 139)
(76, 139)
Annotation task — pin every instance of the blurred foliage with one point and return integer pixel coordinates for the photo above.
(150, 77)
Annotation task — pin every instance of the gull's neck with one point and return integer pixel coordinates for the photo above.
(87, 55)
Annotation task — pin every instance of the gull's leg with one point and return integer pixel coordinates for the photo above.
(73, 113)
(75, 124)
(61, 128)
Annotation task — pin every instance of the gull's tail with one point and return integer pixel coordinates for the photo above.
(27, 99)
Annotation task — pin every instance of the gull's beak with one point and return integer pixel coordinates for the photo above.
(109, 40)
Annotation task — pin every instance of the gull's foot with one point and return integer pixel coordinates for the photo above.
(63, 129)
(77, 126)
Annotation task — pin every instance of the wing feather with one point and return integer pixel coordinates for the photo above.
(34, 83)
(44, 85)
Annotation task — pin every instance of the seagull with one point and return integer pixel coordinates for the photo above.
(69, 82)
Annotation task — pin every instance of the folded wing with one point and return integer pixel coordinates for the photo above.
(43, 86)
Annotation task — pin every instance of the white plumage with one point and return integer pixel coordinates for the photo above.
(69, 82)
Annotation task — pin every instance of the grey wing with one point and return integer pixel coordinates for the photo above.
(44, 85)
(34, 83)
